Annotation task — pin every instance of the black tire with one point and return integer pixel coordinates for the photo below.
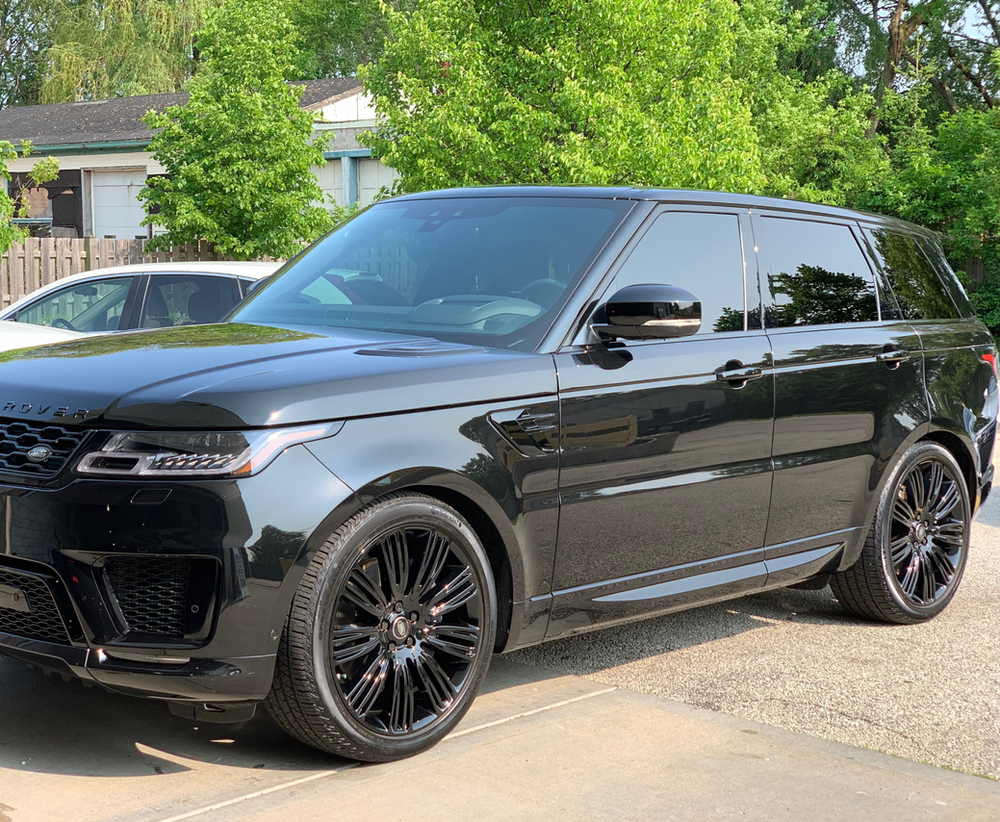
(916, 549)
(358, 675)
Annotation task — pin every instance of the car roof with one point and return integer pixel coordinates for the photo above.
(665, 195)
(251, 270)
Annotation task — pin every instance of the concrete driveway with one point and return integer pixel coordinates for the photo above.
(587, 728)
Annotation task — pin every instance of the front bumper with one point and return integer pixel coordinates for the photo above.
(198, 679)
(175, 590)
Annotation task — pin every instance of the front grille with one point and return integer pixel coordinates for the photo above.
(17, 438)
(151, 593)
(986, 440)
(43, 621)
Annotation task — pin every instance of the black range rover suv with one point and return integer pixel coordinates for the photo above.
(474, 420)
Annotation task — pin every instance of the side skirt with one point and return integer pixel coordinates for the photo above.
(585, 608)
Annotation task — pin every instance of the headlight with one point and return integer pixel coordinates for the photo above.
(182, 454)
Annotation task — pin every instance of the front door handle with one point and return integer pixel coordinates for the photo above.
(737, 375)
(892, 357)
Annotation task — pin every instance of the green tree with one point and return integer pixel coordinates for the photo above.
(810, 119)
(240, 153)
(115, 48)
(559, 91)
(336, 36)
(25, 27)
(44, 170)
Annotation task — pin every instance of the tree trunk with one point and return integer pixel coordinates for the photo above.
(900, 30)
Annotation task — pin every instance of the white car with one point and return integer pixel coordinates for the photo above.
(152, 295)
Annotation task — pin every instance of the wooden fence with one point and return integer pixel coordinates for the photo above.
(39, 261)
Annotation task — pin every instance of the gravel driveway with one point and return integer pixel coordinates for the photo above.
(789, 658)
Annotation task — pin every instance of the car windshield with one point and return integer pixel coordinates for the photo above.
(490, 271)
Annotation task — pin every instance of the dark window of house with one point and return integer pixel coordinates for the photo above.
(917, 287)
(701, 253)
(818, 275)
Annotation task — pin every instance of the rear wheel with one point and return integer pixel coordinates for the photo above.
(389, 634)
(916, 549)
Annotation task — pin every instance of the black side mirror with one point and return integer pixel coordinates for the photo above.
(649, 312)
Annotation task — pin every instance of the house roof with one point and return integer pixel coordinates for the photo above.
(118, 121)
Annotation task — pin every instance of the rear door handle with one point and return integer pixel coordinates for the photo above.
(893, 357)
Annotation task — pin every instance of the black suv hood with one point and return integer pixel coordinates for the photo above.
(236, 376)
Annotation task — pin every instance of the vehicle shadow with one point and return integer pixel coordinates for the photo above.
(53, 726)
(591, 653)
(48, 725)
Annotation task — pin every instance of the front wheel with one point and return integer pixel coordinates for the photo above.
(389, 635)
(916, 549)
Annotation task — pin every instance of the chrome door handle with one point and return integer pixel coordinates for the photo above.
(893, 357)
(743, 375)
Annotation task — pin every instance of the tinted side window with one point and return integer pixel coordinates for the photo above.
(954, 288)
(818, 275)
(918, 289)
(186, 299)
(701, 253)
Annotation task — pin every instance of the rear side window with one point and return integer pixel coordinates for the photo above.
(951, 284)
(187, 299)
(920, 292)
(818, 275)
(699, 252)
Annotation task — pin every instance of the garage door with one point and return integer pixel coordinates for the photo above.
(117, 210)
(372, 178)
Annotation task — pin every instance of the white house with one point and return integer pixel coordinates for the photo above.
(102, 148)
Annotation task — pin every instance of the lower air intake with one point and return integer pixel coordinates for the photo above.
(152, 593)
(42, 619)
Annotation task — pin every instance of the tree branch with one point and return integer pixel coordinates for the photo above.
(870, 19)
(971, 76)
(990, 18)
(937, 84)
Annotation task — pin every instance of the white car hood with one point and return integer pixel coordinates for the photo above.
(22, 335)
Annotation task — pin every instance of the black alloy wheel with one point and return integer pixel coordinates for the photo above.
(917, 547)
(390, 633)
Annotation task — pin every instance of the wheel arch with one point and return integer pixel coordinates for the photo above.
(960, 450)
(493, 526)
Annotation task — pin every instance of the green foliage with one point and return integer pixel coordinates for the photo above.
(810, 125)
(986, 300)
(25, 27)
(240, 154)
(558, 91)
(47, 168)
(336, 36)
(813, 145)
(114, 48)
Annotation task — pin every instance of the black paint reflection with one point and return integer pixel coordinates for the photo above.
(815, 296)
